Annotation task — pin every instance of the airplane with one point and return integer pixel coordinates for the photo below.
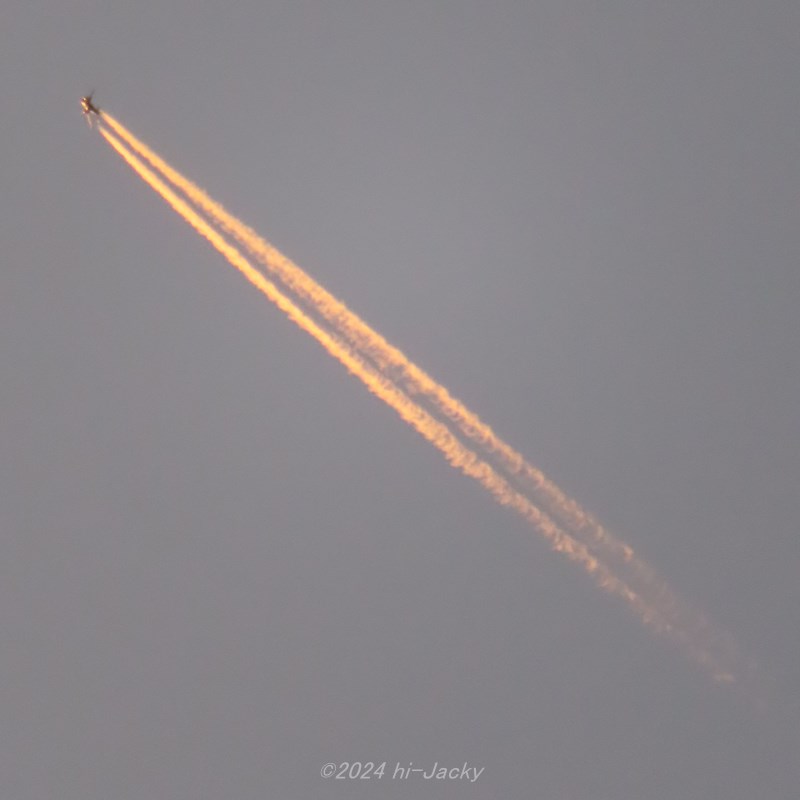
(89, 107)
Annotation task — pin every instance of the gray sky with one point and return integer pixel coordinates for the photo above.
(226, 564)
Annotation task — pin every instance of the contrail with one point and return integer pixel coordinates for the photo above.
(382, 386)
(433, 430)
(394, 362)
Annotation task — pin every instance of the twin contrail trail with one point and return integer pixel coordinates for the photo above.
(392, 361)
(466, 441)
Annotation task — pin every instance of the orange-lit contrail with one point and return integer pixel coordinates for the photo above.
(416, 381)
(433, 430)
(393, 362)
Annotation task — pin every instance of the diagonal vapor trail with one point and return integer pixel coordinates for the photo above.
(389, 357)
(415, 381)
(687, 628)
(433, 430)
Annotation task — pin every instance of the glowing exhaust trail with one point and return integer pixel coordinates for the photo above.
(433, 430)
(415, 380)
(392, 361)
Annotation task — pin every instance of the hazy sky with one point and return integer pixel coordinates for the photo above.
(225, 564)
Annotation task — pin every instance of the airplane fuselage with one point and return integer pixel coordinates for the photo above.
(88, 106)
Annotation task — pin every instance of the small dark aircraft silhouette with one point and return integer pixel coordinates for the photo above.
(89, 107)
